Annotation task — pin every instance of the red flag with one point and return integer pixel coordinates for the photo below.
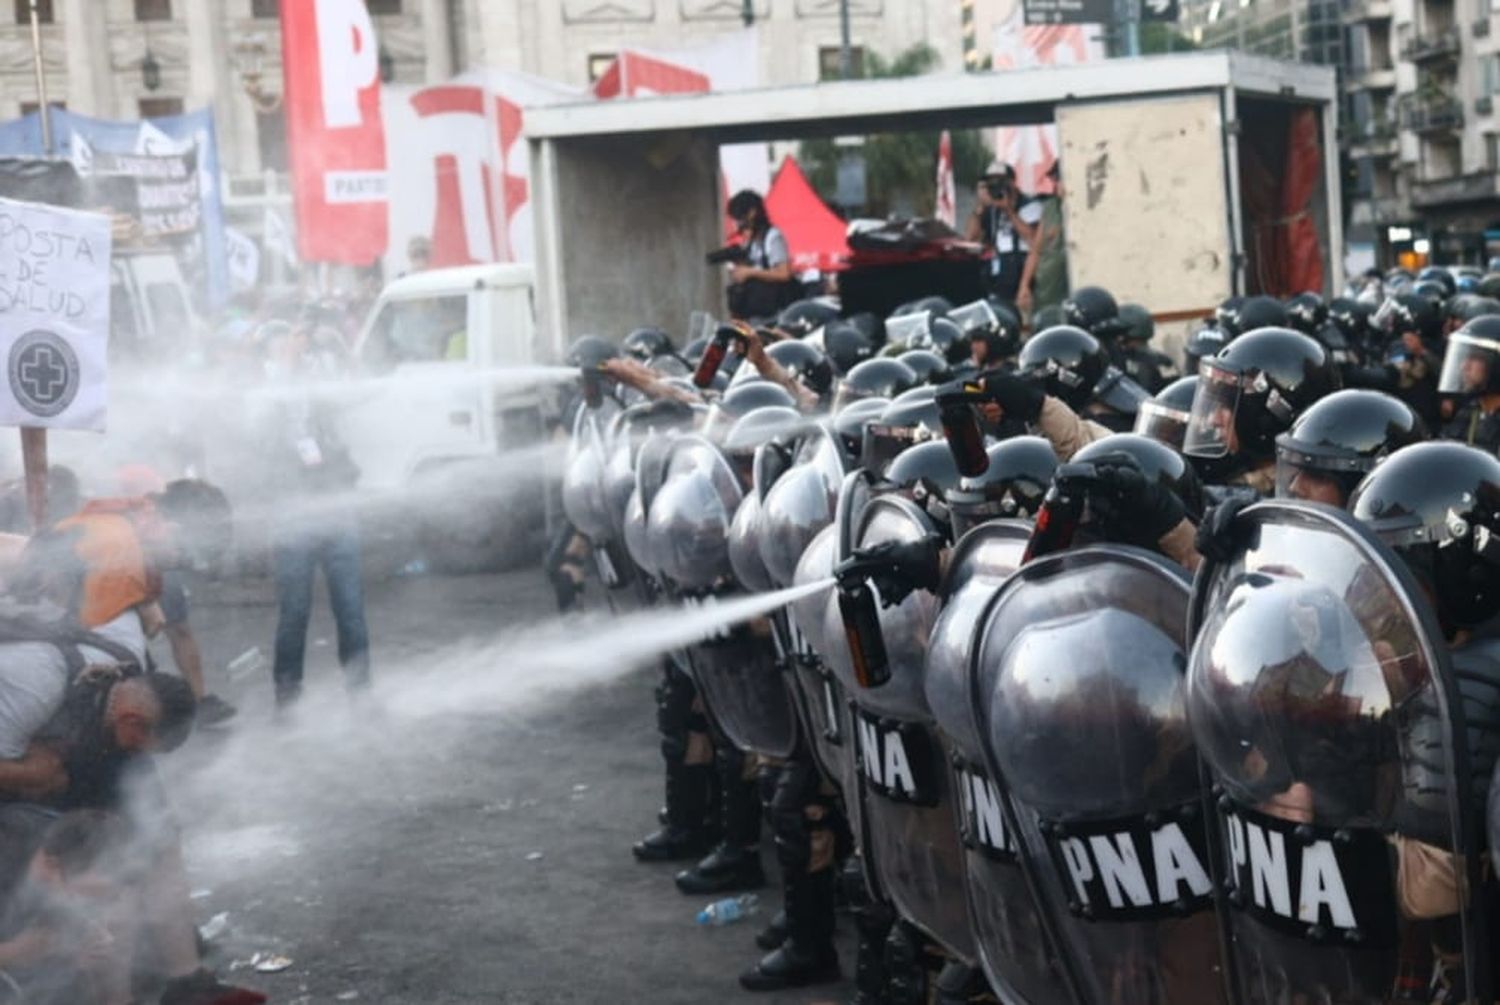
(335, 137)
(946, 209)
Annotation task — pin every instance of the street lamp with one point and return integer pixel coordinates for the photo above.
(150, 71)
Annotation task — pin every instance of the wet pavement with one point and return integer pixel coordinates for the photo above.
(481, 856)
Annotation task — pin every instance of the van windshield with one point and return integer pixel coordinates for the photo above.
(430, 330)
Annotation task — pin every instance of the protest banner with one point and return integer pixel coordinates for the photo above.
(54, 316)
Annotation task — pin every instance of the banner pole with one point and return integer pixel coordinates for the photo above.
(41, 81)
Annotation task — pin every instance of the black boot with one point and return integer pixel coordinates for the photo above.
(873, 921)
(735, 864)
(906, 969)
(958, 983)
(686, 833)
(774, 934)
(727, 869)
(808, 955)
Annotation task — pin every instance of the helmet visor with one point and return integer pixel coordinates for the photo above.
(1163, 424)
(1210, 430)
(977, 316)
(883, 443)
(911, 330)
(1317, 474)
(1471, 365)
(1386, 316)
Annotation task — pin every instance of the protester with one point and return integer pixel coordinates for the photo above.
(313, 529)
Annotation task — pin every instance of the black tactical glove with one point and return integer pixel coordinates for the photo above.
(1018, 397)
(1220, 536)
(1133, 508)
(897, 567)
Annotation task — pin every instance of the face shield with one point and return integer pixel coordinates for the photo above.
(1210, 428)
(1317, 474)
(883, 443)
(976, 316)
(1471, 365)
(911, 330)
(1163, 424)
(1387, 316)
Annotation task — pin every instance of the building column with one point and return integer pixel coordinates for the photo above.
(212, 79)
(437, 40)
(86, 47)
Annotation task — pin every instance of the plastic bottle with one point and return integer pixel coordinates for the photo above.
(729, 910)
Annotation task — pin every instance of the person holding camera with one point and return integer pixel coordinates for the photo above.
(761, 282)
(1005, 221)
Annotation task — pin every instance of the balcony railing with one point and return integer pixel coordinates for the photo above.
(1372, 78)
(1367, 10)
(1481, 186)
(1432, 45)
(1432, 115)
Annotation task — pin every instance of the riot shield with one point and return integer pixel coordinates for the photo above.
(820, 700)
(909, 799)
(1078, 695)
(744, 546)
(583, 483)
(688, 519)
(1323, 703)
(742, 685)
(799, 503)
(1009, 937)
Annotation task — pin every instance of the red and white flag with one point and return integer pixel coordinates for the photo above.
(946, 209)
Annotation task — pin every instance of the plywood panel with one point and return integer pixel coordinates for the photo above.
(1146, 212)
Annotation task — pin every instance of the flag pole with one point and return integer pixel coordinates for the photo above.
(34, 440)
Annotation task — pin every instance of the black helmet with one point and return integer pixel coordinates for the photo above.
(805, 363)
(979, 320)
(944, 338)
(1471, 362)
(1067, 360)
(1253, 390)
(1047, 317)
(1157, 461)
(1409, 312)
(742, 399)
(1438, 505)
(849, 424)
(1339, 440)
(1430, 290)
(1013, 485)
(1441, 277)
(1259, 312)
(588, 351)
(910, 419)
(1207, 341)
(846, 346)
(1307, 313)
(929, 367)
(874, 378)
(1093, 308)
(1165, 416)
(927, 473)
(1138, 322)
(1227, 316)
(1489, 285)
(806, 316)
(1352, 317)
(645, 344)
(934, 305)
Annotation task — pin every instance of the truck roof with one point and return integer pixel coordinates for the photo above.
(459, 279)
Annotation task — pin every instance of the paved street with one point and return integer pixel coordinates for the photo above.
(480, 856)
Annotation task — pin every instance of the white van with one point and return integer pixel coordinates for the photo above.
(430, 433)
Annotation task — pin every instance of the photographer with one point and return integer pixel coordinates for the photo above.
(1005, 221)
(762, 283)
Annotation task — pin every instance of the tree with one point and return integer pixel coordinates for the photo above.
(900, 168)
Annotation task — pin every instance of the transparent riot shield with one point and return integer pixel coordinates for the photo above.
(1010, 938)
(1079, 699)
(909, 798)
(1322, 700)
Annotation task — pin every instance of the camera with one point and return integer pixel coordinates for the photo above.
(997, 185)
(732, 254)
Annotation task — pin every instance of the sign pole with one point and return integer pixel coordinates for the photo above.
(34, 440)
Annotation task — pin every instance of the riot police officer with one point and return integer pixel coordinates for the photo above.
(1471, 371)
(1251, 391)
(1148, 367)
(1165, 416)
(1339, 440)
(1094, 309)
(1415, 325)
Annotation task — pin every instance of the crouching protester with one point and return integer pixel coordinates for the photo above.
(93, 908)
